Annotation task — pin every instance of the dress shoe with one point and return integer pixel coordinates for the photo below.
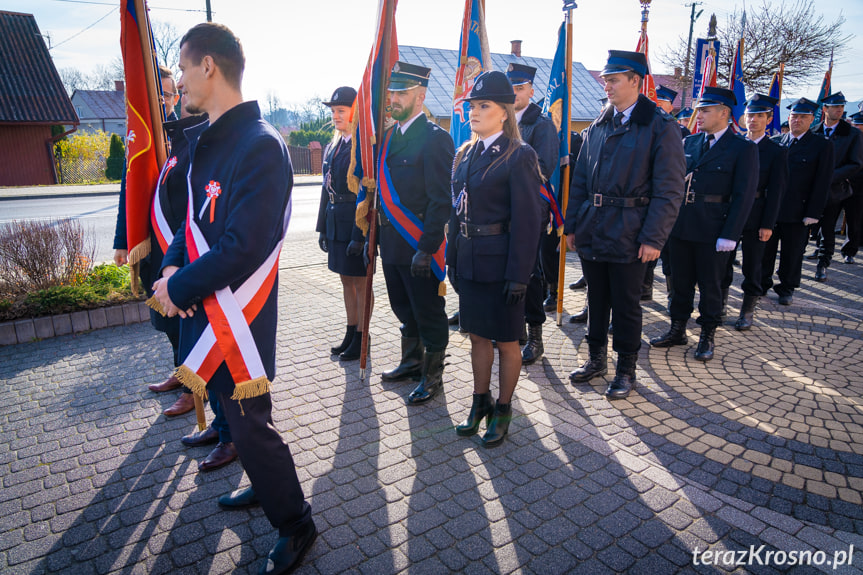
(199, 438)
(222, 454)
(289, 551)
(595, 366)
(184, 404)
(580, 317)
(167, 385)
(848, 259)
(349, 337)
(785, 299)
(581, 283)
(550, 303)
(453, 319)
(821, 273)
(239, 499)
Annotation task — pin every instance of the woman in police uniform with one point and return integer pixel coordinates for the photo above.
(339, 236)
(492, 246)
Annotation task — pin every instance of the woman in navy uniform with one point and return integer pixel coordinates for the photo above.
(491, 249)
(339, 236)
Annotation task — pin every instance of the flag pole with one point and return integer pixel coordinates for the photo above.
(145, 32)
(373, 204)
(568, 6)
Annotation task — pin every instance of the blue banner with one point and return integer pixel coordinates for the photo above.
(556, 105)
(700, 58)
(473, 60)
(736, 86)
(775, 127)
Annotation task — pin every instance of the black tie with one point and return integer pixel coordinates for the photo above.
(828, 131)
(706, 145)
(480, 148)
(793, 141)
(618, 119)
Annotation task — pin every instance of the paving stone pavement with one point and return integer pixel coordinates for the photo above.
(761, 446)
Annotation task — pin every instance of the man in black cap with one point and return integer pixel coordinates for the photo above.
(854, 206)
(539, 133)
(772, 178)
(721, 179)
(810, 167)
(626, 189)
(847, 161)
(419, 159)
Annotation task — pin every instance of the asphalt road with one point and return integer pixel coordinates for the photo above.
(98, 214)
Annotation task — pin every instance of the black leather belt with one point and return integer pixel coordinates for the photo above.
(599, 201)
(692, 197)
(473, 230)
(342, 198)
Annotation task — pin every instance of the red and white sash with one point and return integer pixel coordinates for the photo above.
(228, 337)
(161, 229)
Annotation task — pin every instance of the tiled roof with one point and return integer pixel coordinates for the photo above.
(105, 104)
(585, 91)
(30, 88)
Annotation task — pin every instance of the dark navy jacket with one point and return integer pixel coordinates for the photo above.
(728, 169)
(338, 220)
(506, 193)
(250, 161)
(810, 169)
(539, 133)
(641, 159)
(420, 162)
(847, 157)
(772, 180)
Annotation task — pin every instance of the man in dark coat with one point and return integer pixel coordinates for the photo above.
(847, 162)
(810, 168)
(539, 133)
(854, 206)
(721, 180)
(419, 158)
(220, 275)
(772, 179)
(626, 189)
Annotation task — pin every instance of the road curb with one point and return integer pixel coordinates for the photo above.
(27, 330)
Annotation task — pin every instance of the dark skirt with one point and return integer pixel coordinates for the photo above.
(483, 311)
(340, 262)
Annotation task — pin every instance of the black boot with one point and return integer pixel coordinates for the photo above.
(412, 361)
(523, 339)
(821, 272)
(432, 378)
(349, 337)
(723, 314)
(747, 313)
(624, 379)
(676, 335)
(580, 317)
(704, 351)
(533, 349)
(498, 425)
(353, 350)
(550, 303)
(595, 366)
(481, 407)
(581, 283)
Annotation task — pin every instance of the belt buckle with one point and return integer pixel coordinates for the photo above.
(690, 197)
(332, 197)
(597, 200)
(462, 228)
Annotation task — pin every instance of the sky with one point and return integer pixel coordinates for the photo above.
(300, 49)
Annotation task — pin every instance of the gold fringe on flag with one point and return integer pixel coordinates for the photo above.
(154, 304)
(192, 380)
(136, 254)
(252, 388)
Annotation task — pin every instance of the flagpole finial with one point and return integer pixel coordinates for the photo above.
(711, 30)
(569, 5)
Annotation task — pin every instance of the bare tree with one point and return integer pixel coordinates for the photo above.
(73, 79)
(167, 41)
(103, 77)
(789, 31)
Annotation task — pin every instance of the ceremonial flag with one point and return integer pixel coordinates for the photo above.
(648, 87)
(708, 79)
(825, 88)
(703, 48)
(735, 84)
(775, 127)
(367, 109)
(556, 106)
(145, 148)
(473, 60)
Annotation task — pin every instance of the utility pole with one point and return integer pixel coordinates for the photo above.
(692, 18)
(210, 14)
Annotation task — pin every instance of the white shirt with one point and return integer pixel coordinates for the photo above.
(404, 126)
(759, 139)
(519, 114)
(626, 113)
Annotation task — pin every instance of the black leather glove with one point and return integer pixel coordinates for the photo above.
(354, 248)
(421, 264)
(322, 242)
(366, 259)
(450, 273)
(514, 292)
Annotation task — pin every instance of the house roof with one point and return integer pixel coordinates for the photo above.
(30, 88)
(585, 91)
(105, 104)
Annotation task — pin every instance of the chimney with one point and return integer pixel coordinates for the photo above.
(118, 85)
(516, 48)
(678, 72)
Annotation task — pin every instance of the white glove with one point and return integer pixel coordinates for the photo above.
(723, 245)
(809, 221)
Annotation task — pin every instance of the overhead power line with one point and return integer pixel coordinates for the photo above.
(114, 4)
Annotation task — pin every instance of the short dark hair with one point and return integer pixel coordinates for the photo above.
(218, 42)
(630, 74)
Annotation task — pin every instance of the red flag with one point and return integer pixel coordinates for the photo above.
(142, 163)
(648, 87)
